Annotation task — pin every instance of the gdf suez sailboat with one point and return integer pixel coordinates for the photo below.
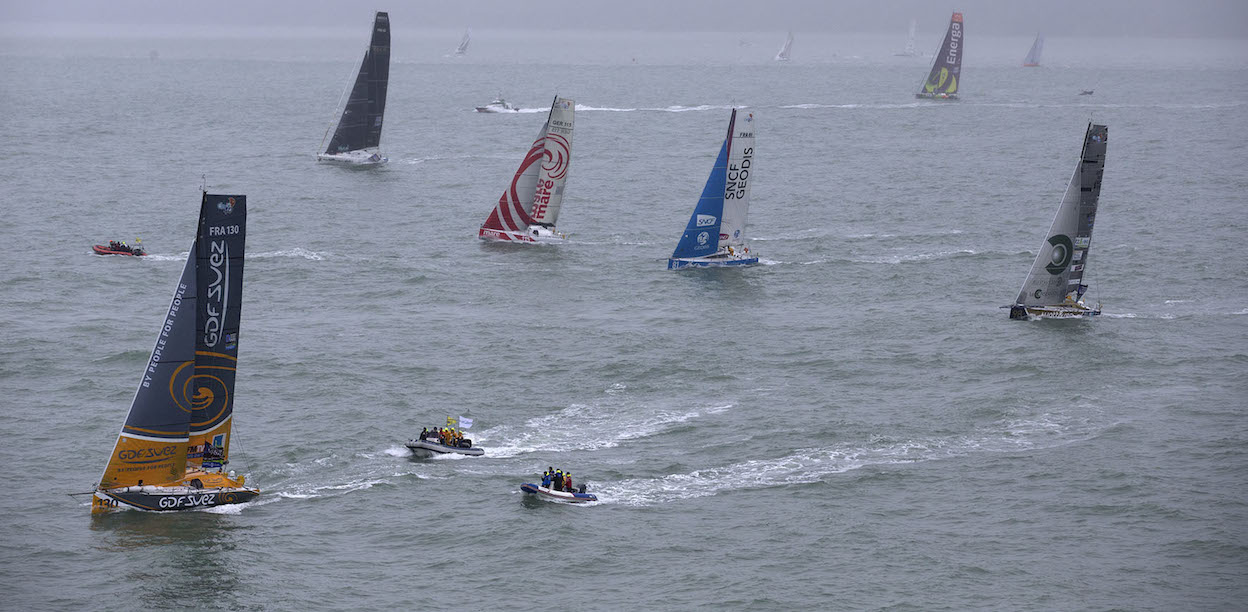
(943, 79)
(529, 207)
(175, 443)
(1054, 288)
(715, 235)
(357, 138)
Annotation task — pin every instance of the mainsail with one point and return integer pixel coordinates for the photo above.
(152, 447)
(535, 195)
(463, 44)
(1056, 276)
(943, 79)
(359, 127)
(719, 218)
(1037, 48)
(556, 156)
(783, 54)
(220, 288)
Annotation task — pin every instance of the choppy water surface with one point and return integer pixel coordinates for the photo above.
(853, 425)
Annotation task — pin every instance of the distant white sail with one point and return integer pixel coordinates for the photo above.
(909, 51)
(1033, 56)
(783, 54)
(463, 44)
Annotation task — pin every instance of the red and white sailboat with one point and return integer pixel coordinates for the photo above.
(529, 207)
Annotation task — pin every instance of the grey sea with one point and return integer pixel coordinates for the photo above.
(854, 424)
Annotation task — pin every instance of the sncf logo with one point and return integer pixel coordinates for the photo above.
(705, 221)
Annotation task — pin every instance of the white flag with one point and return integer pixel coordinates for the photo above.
(465, 422)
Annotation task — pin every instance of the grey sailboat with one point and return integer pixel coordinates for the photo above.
(1054, 288)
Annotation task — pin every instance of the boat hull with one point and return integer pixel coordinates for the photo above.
(494, 108)
(534, 233)
(362, 157)
(557, 496)
(1019, 312)
(167, 499)
(927, 96)
(425, 449)
(674, 263)
(103, 250)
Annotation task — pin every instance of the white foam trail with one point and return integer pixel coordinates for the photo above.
(809, 465)
(897, 259)
(582, 427)
(295, 252)
(309, 492)
(582, 107)
(398, 451)
(879, 106)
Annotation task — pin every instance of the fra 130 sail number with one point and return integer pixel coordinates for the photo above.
(224, 230)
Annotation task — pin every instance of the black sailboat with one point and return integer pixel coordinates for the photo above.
(357, 139)
(943, 80)
(173, 448)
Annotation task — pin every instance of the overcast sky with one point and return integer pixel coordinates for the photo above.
(1162, 18)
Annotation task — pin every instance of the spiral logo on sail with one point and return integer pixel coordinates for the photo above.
(201, 391)
(1060, 256)
(558, 155)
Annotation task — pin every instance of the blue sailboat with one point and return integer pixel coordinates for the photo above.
(715, 235)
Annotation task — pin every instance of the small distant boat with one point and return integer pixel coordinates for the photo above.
(430, 448)
(1033, 56)
(499, 105)
(785, 49)
(529, 208)
(560, 496)
(1054, 288)
(171, 452)
(462, 49)
(909, 51)
(357, 139)
(942, 80)
(715, 235)
(119, 248)
(1086, 92)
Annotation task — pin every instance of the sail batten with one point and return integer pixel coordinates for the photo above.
(359, 126)
(946, 72)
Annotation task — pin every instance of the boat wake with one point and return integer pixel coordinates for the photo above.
(295, 252)
(868, 106)
(675, 108)
(900, 259)
(583, 427)
(810, 465)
